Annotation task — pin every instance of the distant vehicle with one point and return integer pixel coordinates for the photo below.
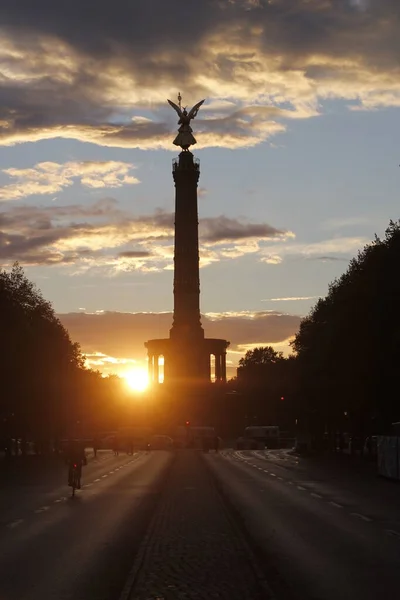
(161, 442)
(395, 429)
(194, 436)
(134, 438)
(243, 443)
(265, 436)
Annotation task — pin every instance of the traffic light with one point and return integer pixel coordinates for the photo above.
(187, 423)
(282, 398)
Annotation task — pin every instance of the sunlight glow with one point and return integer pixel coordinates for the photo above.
(137, 379)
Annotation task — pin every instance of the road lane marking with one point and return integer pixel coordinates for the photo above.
(42, 509)
(15, 524)
(290, 482)
(259, 454)
(314, 495)
(272, 474)
(393, 532)
(280, 478)
(335, 504)
(103, 476)
(98, 479)
(363, 517)
(266, 471)
(300, 487)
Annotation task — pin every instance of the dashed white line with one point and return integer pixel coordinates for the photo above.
(42, 509)
(300, 487)
(15, 524)
(335, 504)
(103, 476)
(266, 471)
(272, 474)
(393, 532)
(314, 495)
(280, 478)
(362, 517)
(98, 479)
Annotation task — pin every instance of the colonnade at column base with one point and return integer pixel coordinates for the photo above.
(186, 361)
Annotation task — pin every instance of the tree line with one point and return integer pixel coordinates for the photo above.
(47, 393)
(343, 373)
(341, 376)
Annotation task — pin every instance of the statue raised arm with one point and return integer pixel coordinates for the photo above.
(185, 137)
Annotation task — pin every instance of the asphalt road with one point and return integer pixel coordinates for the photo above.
(321, 534)
(55, 547)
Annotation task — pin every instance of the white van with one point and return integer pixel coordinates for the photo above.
(266, 436)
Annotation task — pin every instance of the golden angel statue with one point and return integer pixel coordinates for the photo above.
(185, 137)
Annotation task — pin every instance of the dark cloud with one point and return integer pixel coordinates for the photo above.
(134, 254)
(41, 216)
(330, 258)
(226, 229)
(123, 334)
(141, 29)
(102, 235)
(86, 70)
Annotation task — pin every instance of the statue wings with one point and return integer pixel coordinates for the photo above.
(192, 114)
(176, 107)
(195, 110)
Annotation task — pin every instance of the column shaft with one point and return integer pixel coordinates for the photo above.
(223, 367)
(217, 367)
(156, 369)
(208, 365)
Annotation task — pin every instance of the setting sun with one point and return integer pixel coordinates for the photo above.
(137, 379)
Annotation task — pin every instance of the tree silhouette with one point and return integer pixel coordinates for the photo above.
(46, 390)
(267, 381)
(348, 347)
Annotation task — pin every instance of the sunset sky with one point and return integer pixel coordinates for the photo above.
(298, 141)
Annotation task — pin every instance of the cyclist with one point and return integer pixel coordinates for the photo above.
(75, 455)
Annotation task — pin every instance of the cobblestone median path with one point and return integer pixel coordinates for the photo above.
(192, 549)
